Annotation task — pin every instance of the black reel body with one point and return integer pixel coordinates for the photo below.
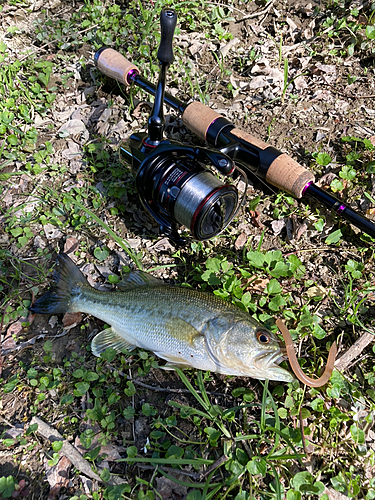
(177, 189)
(171, 178)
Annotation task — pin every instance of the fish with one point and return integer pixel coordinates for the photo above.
(186, 327)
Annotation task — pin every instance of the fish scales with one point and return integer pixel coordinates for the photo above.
(183, 326)
(153, 324)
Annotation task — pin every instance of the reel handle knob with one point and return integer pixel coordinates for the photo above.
(168, 20)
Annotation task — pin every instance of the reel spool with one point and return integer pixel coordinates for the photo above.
(176, 188)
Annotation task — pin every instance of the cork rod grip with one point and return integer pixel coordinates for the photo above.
(197, 117)
(113, 64)
(284, 172)
(288, 175)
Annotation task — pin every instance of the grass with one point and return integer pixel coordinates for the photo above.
(202, 435)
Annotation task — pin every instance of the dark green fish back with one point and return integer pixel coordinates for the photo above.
(65, 279)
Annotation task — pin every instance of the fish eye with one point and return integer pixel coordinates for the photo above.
(263, 337)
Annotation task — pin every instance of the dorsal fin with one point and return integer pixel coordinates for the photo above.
(137, 279)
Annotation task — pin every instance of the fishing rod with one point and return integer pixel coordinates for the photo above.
(185, 194)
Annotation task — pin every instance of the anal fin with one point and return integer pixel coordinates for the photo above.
(109, 338)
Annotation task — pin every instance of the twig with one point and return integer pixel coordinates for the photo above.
(67, 449)
(24, 345)
(346, 93)
(194, 475)
(167, 389)
(2, 419)
(354, 351)
(220, 461)
(230, 7)
(55, 41)
(71, 452)
(157, 388)
(30, 343)
(257, 14)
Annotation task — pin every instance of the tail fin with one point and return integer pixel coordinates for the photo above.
(57, 300)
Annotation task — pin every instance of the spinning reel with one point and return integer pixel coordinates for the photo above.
(172, 180)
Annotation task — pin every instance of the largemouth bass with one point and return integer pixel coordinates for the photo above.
(188, 328)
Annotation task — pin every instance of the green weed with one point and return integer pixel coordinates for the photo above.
(348, 31)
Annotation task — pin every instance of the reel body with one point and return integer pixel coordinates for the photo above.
(173, 183)
(176, 188)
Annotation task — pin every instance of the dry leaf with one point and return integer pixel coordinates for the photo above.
(309, 31)
(141, 108)
(301, 230)
(8, 343)
(14, 432)
(293, 28)
(258, 284)
(326, 179)
(230, 45)
(258, 82)
(168, 489)
(52, 232)
(73, 127)
(163, 245)
(334, 495)
(255, 215)
(319, 69)
(316, 291)
(300, 83)
(15, 328)
(71, 245)
(57, 476)
(278, 226)
(73, 152)
(240, 241)
(70, 320)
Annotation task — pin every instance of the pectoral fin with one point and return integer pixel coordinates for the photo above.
(173, 361)
(109, 338)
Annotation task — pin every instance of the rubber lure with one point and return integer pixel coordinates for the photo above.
(294, 361)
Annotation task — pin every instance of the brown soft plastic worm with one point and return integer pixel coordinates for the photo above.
(294, 361)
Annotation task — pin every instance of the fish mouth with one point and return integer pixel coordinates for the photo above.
(266, 360)
(268, 364)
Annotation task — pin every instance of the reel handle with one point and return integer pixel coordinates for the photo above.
(168, 20)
